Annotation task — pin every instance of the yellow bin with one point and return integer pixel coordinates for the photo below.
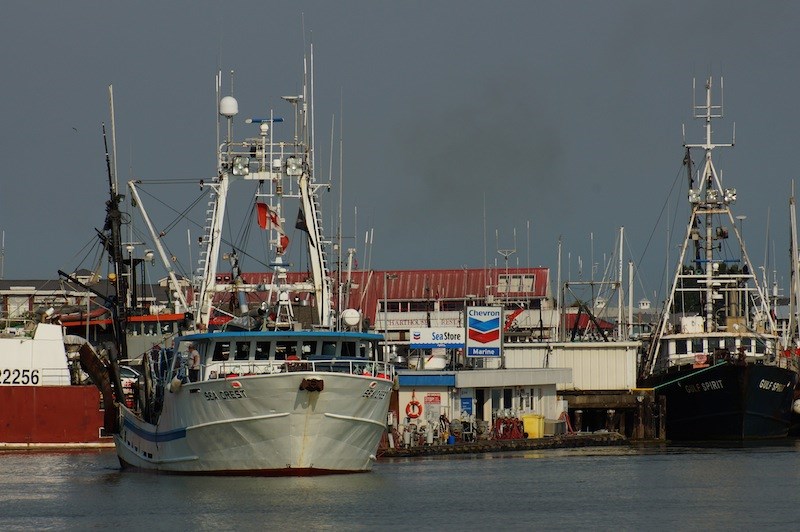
(533, 424)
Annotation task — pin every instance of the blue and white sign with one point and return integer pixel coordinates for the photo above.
(433, 337)
(466, 405)
(484, 331)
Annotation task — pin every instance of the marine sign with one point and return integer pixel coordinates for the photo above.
(484, 333)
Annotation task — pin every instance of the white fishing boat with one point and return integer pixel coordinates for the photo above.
(265, 394)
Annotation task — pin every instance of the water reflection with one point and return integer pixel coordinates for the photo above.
(687, 486)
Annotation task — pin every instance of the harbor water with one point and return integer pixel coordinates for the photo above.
(734, 487)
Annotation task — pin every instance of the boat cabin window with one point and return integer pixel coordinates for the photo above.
(222, 351)
(328, 348)
(366, 350)
(262, 350)
(730, 344)
(242, 351)
(761, 347)
(285, 349)
(349, 349)
(747, 345)
(697, 345)
(681, 347)
(309, 348)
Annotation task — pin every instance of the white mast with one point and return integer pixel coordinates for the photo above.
(794, 322)
(630, 299)
(212, 235)
(620, 325)
(707, 199)
(159, 246)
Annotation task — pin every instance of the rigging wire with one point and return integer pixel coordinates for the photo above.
(667, 199)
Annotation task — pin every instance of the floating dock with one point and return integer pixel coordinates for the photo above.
(564, 441)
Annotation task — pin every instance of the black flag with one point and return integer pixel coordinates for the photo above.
(301, 221)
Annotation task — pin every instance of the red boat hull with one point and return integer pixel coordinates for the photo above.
(51, 416)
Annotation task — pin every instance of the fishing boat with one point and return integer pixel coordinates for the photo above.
(715, 354)
(48, 399)
(273, 390)
(56, 389)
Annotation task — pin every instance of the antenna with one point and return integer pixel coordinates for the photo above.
(2, 253)
(528, 243)
(113, 135)
(507, 252)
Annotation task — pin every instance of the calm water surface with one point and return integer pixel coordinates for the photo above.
(661, 488)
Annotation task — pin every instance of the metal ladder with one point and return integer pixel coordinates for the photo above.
(202, 261)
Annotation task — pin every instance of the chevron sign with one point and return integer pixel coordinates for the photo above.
(484, 332)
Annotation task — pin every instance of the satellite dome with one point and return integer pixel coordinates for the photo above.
(228, 106)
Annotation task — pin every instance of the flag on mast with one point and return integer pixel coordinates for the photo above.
(269, 219)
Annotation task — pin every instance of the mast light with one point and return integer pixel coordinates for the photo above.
(241, 166)
(294, 166)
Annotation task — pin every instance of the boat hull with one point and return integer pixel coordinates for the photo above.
(69, 417)
(727, 401)
(262, 425)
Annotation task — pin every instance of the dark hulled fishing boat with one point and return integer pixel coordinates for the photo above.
(715, 353)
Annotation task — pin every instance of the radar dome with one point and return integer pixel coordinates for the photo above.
(228, 106)
(351, 317)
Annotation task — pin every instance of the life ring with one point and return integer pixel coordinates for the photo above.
(413, 409)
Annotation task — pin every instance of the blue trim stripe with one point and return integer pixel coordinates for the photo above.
(273, 335)
(157, 437)
(427, 380)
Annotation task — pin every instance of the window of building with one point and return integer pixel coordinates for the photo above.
(508, 398)
(420, 306)
(515, 283)
(451, 305)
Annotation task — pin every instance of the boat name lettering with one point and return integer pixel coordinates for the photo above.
(19, 376)
(704, 386)
(372, 393)
(225, 394)
(771, 386)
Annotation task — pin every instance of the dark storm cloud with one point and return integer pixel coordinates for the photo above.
(460, 118)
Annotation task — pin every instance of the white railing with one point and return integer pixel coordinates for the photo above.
(235, 369)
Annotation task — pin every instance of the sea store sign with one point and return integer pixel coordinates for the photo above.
(484, 335)
(435, 337)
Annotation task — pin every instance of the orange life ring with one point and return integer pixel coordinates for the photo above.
(413, 409)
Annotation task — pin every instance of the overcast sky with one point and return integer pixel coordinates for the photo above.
(557, 119)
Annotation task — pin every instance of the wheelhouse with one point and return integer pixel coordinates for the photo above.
(255, 353)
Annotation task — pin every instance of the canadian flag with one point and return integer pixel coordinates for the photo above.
(269, 219)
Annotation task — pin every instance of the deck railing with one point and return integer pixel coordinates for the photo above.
(235, 369)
